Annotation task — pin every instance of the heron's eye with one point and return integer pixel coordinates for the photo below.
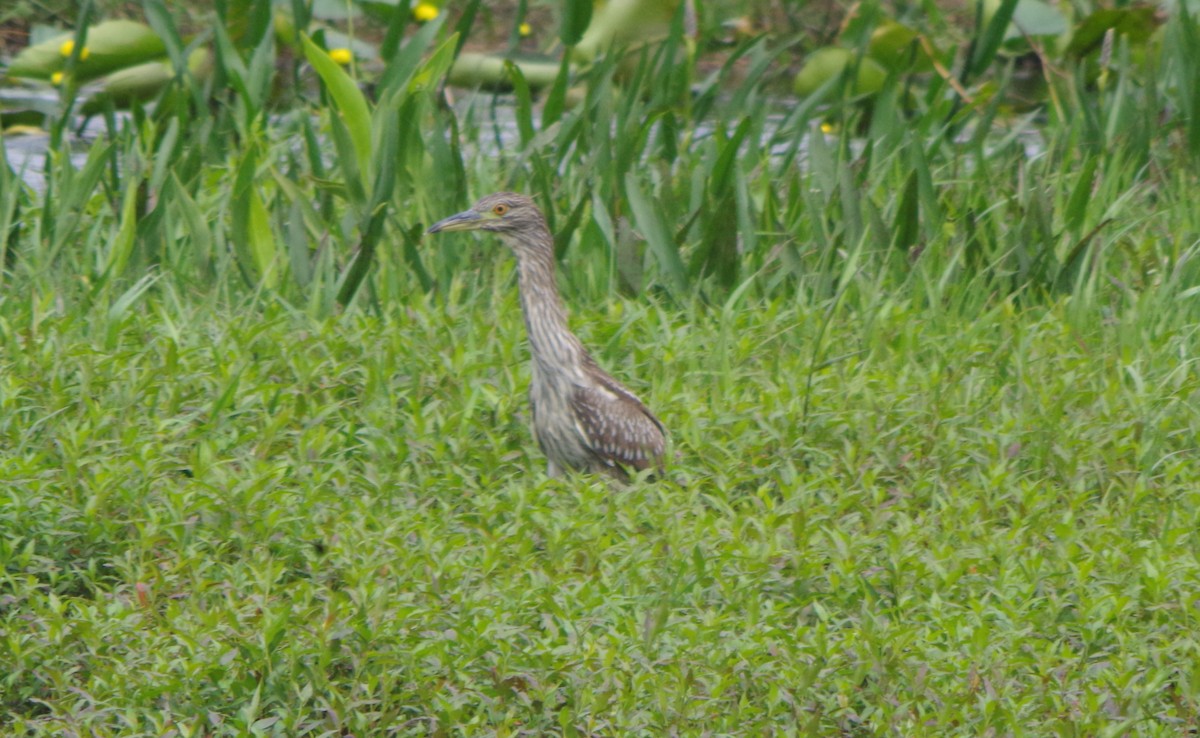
(500, 209)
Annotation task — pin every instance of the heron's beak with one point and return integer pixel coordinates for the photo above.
(467, 220)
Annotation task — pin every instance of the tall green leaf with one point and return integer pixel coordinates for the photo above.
(251, 226)
(347, 98)
(404, 62)
(261, 240)
(987, 42)
(462, 29)
(198, 229)
(381, 194)
(906, 226)
(431, 73)
(1077, 205)
(656, 233)
(576, 16)
(122, 246)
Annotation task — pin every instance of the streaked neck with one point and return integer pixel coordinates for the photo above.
(551, 342)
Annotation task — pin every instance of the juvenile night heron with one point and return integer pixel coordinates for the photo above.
(582, 418)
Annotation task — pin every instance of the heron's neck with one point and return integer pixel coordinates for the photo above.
(551, 342)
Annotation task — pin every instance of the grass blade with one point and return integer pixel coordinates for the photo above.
(347, 99)
(122, 246)
(576, 17)
(985, 46)
(906, 226)
(656, 233)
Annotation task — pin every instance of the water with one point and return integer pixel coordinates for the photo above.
(493, 116)
(26, 150)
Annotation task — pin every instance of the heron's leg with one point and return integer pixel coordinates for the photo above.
(552, 470)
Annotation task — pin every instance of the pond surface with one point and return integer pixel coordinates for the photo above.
(494, 116)
(26, 149)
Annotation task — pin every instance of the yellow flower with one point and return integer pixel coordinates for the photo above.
(341, 56)
(524, 29)
(56, 79)
(68, 46)
(425, 12)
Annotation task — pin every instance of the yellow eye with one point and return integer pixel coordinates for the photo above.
(500, 209)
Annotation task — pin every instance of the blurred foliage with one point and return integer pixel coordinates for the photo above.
(307, 124)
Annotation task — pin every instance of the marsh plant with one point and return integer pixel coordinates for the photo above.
(927, 352)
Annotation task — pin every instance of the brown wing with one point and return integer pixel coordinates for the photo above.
(619, 429)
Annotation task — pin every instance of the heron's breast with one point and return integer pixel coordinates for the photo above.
(554, 423)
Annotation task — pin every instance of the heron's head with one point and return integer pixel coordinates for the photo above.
(504, 213)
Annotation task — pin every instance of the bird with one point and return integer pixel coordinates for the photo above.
(583, 419)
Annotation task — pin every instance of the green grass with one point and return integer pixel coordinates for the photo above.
(221, 523)
(932, 393)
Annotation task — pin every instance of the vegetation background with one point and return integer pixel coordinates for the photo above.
(924, 336)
